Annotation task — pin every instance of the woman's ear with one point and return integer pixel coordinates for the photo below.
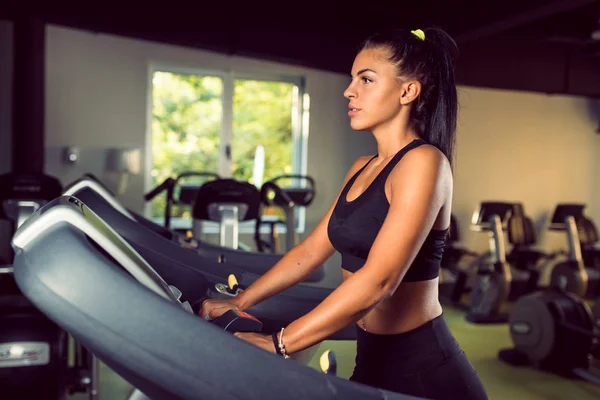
(410, 92)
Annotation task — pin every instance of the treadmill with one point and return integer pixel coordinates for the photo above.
(192, 273)
(136, 228)
(90, 281)
(288, 198)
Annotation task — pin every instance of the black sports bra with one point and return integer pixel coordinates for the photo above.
(354, 225)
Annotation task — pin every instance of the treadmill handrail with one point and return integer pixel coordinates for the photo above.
(70, 210)
(101, 190)
(573, 240)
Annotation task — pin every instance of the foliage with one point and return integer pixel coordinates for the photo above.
(262, 115)
(187, 122)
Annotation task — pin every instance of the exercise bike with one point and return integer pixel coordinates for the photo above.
(493, 279)
(554, 330)
(523, 256)
(497, 281)
(573, 275)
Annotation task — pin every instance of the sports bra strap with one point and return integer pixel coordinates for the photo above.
(398, 156)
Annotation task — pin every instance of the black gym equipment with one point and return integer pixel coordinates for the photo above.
(238, 321)
(235, 320)
(177, 192)
(596, 312)
(228, 202)
(523, 256)
(23, 193)
(492, 280)
(191, 272)
(495, 281)
(572, 275)
(34, 351)
(596, 316)
(553, 331)
(289, 198)
(146, 236)
(588, 237)
(453, 279)
(588, 234)
(92, 283)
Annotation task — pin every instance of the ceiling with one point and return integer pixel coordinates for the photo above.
(531, 45)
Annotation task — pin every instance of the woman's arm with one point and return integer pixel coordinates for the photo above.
(417, 195)
(298, 263)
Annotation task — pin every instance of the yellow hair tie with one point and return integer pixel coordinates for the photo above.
(419, 33)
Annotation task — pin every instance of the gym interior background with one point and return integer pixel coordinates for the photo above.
(529, 120)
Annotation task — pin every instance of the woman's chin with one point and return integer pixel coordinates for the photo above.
(358, 126)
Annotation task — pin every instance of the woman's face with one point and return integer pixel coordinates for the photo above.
(375, 91)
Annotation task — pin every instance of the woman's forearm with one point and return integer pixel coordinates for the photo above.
(355, 297)
(295, 266)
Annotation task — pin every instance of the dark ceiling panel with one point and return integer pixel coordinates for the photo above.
(538, 45)
(519, 17)
(514, 65)
(584, 78)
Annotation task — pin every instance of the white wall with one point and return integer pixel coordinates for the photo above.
(96, 98)
(6, 67)
(534, 148)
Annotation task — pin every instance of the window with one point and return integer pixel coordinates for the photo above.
(215, 122)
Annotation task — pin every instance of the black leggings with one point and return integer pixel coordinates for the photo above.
(424, 362)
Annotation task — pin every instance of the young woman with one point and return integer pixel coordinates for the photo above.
(389, 223)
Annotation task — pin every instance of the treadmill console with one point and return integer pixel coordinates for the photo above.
(88, 183)
(562, 211)
(481, 219)
(69, 209)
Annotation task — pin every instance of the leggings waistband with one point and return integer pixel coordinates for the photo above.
(429, 344)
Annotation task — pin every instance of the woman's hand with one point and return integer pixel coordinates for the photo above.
(214, 308)
(265, 342)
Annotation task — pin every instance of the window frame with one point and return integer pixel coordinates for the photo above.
(300, 125)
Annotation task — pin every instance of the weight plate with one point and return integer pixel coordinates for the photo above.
(532, 327)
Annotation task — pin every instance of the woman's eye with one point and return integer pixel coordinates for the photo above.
(366, 80)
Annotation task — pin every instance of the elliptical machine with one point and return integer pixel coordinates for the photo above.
(523, 256)
(289, 198)
(553, 330)
(34, 351)
(493, 279)
(572, 275)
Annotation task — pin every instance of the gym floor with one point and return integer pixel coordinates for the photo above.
(480, 342)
